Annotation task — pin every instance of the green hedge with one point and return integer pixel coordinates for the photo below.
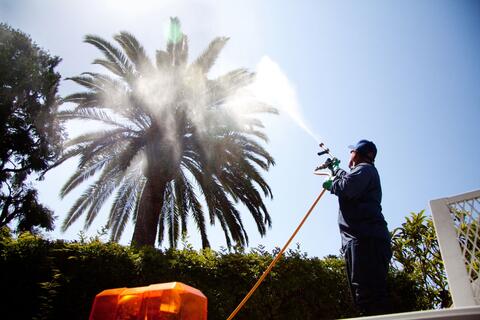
(45, 279)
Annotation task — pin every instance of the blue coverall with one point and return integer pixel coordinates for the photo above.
(365, 236)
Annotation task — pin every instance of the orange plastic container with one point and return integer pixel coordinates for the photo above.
(165, 301)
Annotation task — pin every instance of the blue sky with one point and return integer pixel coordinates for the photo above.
(404, 74)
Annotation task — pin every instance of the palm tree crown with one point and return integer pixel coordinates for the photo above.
(171, 134)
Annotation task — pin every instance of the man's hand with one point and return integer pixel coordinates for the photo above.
(334, 166)
(328, 184)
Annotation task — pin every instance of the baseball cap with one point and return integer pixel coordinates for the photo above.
(365, 148)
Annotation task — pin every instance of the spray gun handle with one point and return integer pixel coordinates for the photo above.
(327, 163)
(331, 164)
(321, 153)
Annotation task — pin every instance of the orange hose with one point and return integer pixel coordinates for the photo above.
(272, 264)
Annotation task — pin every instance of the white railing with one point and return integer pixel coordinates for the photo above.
(457, 224)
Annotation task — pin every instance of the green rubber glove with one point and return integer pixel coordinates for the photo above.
(328, 184)
(334, 165)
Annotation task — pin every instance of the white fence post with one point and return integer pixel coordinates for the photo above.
(459, 279)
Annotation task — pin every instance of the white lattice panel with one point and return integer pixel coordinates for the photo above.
(466, 217)
(457, 221)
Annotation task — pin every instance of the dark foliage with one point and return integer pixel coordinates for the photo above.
(59, 280)
(30, 136)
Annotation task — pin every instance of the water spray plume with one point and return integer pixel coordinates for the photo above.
(273, 87)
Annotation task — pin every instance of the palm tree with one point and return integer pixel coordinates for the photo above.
(171, 134)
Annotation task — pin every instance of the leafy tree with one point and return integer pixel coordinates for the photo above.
(416, 251)
(169, 127)
(30, 135)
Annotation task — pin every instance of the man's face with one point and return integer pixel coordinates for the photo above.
(354, 159)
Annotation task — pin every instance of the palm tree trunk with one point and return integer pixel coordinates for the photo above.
(146, 225)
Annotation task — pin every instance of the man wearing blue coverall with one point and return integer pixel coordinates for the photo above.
(363, 229)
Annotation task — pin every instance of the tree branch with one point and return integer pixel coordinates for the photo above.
(16, 170)
(4, 215)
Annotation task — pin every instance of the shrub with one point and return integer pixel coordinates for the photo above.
(59, 280)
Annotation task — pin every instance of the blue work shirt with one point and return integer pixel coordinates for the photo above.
(359, 196)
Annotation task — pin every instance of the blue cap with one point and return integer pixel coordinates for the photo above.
(365, 148)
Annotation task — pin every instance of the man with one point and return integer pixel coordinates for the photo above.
(365, 237)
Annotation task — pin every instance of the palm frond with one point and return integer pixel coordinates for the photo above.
(94, 197)
(251, 146)
(110, 66)
(107, 84)
(100, 152)
(124, 204)
(76, 210)
(222, 88)
(245, 192)
(71, 153)
(198, 216)
(257, 133)
(161, 227)
(220, 207)
(207, 59)
(105, 92)
(87, 81)
(182, 206)
(83, 174)
(116, 60)
(258, 107)
(163, 60)
(187, 201)
(97, 137)
(92, 114)
(81, 205)
(131, 150)
(170, 213)
(111, 182)
(134, 50)
(84, 100)
(103, 143)
(182, 51)
(235, 173)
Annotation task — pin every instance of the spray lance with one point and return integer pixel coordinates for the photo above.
(331, 164)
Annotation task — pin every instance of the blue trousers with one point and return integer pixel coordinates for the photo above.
(367, 261)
